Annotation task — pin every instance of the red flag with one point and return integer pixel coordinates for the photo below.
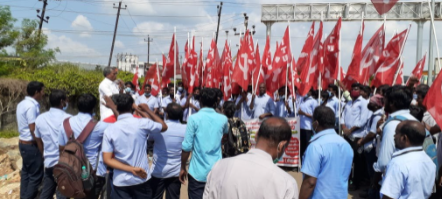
(227, 65)
(432, 100)
(400, 75)
(168, 70)
(331, 56)
(193, 68)
(417, 72)
(304, 58)
(352, 75)
(244, 60)
(166, 80)
(266, 57)
(310, 74)
(185, 69)
(211, 63)
(199, 68)
(135, 81)
(257, 72)
(383, 6)
(371, 55)
(278, 72)
(153, 78)
(390, 61)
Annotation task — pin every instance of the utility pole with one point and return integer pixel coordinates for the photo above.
(220, 7)
(42, 17)
(115, 31)
(148, 51)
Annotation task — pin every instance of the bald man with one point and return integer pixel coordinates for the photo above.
(410, 173)
(254, 174)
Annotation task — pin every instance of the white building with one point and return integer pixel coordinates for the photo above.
(128, 63)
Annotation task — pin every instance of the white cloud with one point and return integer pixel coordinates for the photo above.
(119, 44)
(82, 23)
(70, 49)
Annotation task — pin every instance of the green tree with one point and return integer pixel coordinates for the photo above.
(7, 32)
(31, 47)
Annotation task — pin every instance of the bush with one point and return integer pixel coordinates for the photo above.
(8, 134)
(68, 77)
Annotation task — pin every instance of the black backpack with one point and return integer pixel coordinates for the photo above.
(237, 141)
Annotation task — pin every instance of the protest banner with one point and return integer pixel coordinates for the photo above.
(292, 152)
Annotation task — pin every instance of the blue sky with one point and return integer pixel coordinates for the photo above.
(83, 29)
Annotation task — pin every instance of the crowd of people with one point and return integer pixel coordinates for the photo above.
(378, 137)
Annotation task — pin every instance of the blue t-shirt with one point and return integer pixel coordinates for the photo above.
(203, 138)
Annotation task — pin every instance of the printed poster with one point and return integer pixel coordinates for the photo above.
(291, 157)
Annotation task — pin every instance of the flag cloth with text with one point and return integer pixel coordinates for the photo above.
(331, 56)
(390, 61)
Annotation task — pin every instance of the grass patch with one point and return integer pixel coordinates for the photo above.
(8, 134)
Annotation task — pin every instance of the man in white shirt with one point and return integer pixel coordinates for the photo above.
(411, 172)
(27, 111)
(167, 147)
(262, 105)
(254, 174)
(108, 87)
(46, 134)
(192, 104)
(163, 101)
(148, 99)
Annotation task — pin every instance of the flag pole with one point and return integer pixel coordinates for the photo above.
(188, 51)
(174, 60)
(287, 69)
(319, 77)
(435, 37)
(401, 51)
(253, 87)
(203, 66)
(339, 80)
(159, 83)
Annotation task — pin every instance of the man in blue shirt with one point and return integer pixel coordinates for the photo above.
(354, 119)
(333, 103)
(284, 107)
(46, 134)
(27, 111)
(308, 105)
(167, 148)
(326, 164)
(262, 105)
(86, 105)
(243, 102)
(203, 138)
(127, 140)
(411, 172)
